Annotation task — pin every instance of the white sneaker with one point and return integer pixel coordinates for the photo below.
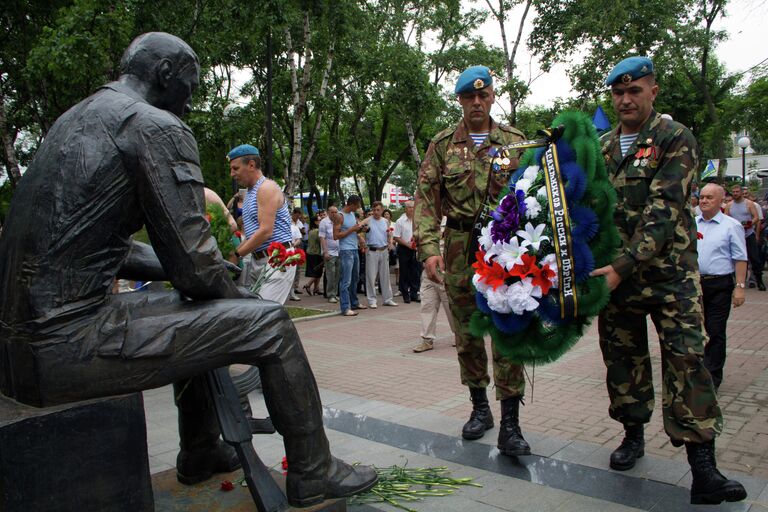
(390, 303)
(397, 293)
(372, 306)
(333, 300)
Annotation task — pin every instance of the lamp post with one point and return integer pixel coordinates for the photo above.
(228, 114)
(743, 143)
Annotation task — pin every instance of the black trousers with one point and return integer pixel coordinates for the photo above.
(755, 261)
(410, 272)
(716, 299)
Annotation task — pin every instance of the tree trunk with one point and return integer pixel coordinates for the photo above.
(412, 142)
(12, 165)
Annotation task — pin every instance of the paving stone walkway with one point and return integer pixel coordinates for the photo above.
(365, 368)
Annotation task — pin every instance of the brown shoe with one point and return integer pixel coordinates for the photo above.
(423, 346)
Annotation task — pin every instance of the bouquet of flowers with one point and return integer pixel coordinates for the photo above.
(221, 231)
(551, 228)
(280, 258)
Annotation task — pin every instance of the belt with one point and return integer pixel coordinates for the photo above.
(708, 277)
(257, 255)
(459, 225)
(377, 248)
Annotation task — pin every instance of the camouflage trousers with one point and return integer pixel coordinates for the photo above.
(473, 358)
(689, 401)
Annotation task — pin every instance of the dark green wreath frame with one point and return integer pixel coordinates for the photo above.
(541, 342)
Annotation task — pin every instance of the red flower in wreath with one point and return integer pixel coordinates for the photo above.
(493, 275)
(543, 278)
(528, 268)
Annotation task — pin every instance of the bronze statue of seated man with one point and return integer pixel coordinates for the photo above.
(119, 160)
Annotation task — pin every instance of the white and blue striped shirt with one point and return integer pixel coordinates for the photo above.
(479, 138)
(625, 141)
(282, 230)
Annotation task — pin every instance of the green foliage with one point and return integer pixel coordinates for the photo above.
(220, 229)
(77, 53)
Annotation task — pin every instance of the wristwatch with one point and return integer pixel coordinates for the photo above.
(740, 285)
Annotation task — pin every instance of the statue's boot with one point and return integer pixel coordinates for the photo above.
(709, 486)
(481, 418)
(511, 440)
(293, 401)
(315, 475)
(632, 447)
(202, 452)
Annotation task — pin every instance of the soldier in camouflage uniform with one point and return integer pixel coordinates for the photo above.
(456, 180)
(651, 162)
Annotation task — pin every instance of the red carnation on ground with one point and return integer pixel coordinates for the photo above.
(227, 486)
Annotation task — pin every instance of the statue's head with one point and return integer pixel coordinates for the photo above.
(167, 66)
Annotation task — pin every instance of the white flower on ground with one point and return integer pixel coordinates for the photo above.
(520, 296)
(507, 254)
(497, 299)
(480, 286)
(532, 207)
(532, 236)
(523, 184)
(485, 239)
(531, 172)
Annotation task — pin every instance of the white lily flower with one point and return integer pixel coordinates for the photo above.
(497, 299)
(520, 296)
(532, 236)
(532, 207)
(531, 172)
(523, 184)
(485, 239)
(510, 254)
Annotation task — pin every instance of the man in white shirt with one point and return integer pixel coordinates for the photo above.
(378, 241)
(410, 268)
(330, 249)
(722, 251)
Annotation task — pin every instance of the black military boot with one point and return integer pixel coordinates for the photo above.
(511, 441)
(630, 449)
(709, 486)
(202, 452)
(481, 418)
(759, 280)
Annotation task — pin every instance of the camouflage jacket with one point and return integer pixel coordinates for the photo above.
(658, 259)
(455, 180)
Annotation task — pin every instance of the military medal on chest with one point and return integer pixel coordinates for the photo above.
(646, 156)
(501, 163)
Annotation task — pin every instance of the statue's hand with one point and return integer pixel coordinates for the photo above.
(231, 267)
(246, 293)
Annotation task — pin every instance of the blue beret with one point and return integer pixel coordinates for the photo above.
(473, 79)
(630, 69)
(242, 150)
